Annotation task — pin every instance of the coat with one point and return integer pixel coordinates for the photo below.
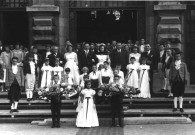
(150, 59)
(10, 76)
(86, 61)
(27, 70)
(52, 59)
(183, 72)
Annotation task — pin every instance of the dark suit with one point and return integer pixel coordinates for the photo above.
(52, 57)
(86, 61)
(119, 58)
(27, 70)
(55, 105)
(151, 62)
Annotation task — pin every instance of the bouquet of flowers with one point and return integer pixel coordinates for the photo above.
(116, 89)
(40, 92)
(130, 91)
(69, 90)
(103, 89)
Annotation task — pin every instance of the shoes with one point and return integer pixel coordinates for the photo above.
(181, 110)
(11, 111)
(28, 99)
(174, 109)
(162, 90)
(58, 126)
(16, 110)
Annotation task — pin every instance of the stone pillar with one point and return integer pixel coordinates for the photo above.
(149, 13)
(171, 25)
(43, 17)
(63, 23)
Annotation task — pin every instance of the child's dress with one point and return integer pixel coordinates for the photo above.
(58, 70)
(87, 115)
(144, 86)
(132, 76)
(46, 76)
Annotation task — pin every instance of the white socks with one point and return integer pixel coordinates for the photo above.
(180, 102)
(14, 105)
(29, 94)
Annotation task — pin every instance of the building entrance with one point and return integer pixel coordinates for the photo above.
(14, 28)
(103, 26)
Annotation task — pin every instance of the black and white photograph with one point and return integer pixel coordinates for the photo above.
(97, 67)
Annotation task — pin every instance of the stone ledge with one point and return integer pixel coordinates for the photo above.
(42, 8)
(170, 7)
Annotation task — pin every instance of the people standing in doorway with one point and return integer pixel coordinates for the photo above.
(178, 79)
(18, 53)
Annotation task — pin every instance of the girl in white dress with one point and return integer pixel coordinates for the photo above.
(135, 54)
(102, 55)
(58, 70)
(144, 86)
(46, 74)
(132, 76)
(72, 63)
(87, 115)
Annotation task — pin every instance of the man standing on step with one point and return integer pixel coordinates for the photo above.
(15, 80)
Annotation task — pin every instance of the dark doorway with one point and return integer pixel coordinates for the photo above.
(104, 28)
(15, 28)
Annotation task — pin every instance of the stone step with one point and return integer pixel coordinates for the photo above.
(127, 121)
(71, 112)
(125, 100)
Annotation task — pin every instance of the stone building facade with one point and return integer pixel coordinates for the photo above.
(41, 22)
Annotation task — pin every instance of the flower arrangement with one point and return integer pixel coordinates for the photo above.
(116, 89)
(130, 91)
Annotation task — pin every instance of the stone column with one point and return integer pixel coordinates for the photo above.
(43, 16)
(63, 23)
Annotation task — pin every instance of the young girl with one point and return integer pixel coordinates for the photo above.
(94, 77)
(87, 115)
(144, 85)
(132, 76)
(58, 69)
(46, 74)
(178, 78)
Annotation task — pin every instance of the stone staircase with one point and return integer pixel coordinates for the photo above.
(157, 110)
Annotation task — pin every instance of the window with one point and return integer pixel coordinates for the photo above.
(13, 3)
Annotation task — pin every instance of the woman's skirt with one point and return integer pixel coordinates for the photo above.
(14, 93)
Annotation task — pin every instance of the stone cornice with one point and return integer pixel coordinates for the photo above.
(42, 8)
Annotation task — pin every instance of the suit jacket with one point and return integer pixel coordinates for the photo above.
(10, 76)
(39, 61)
(119, 58)
(167, 64)
(86, 61)
(150, 59)
(182, 72)
(161, 59)
(27, 70)
(52, 59)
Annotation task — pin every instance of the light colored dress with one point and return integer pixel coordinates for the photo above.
(87, 115)
(132, 76)
(72, 63)
(144, 85)
(102, 58)
(46, 75)
(58, 70)
(136, 55)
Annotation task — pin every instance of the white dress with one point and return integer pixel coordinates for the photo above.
(102, 58)
(132, 78)
(71, 63)
(58, 70)
(144, 86)
(136, 55)
(87, 115)
(46, 74)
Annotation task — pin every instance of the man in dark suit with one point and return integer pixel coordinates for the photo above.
(86, 58)
(119, 57)
(161, 56)
(55, 54)
(149, 55)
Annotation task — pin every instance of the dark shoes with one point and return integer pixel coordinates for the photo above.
(14, 110)
(11, 111)
(53, 126)
(181, 110)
